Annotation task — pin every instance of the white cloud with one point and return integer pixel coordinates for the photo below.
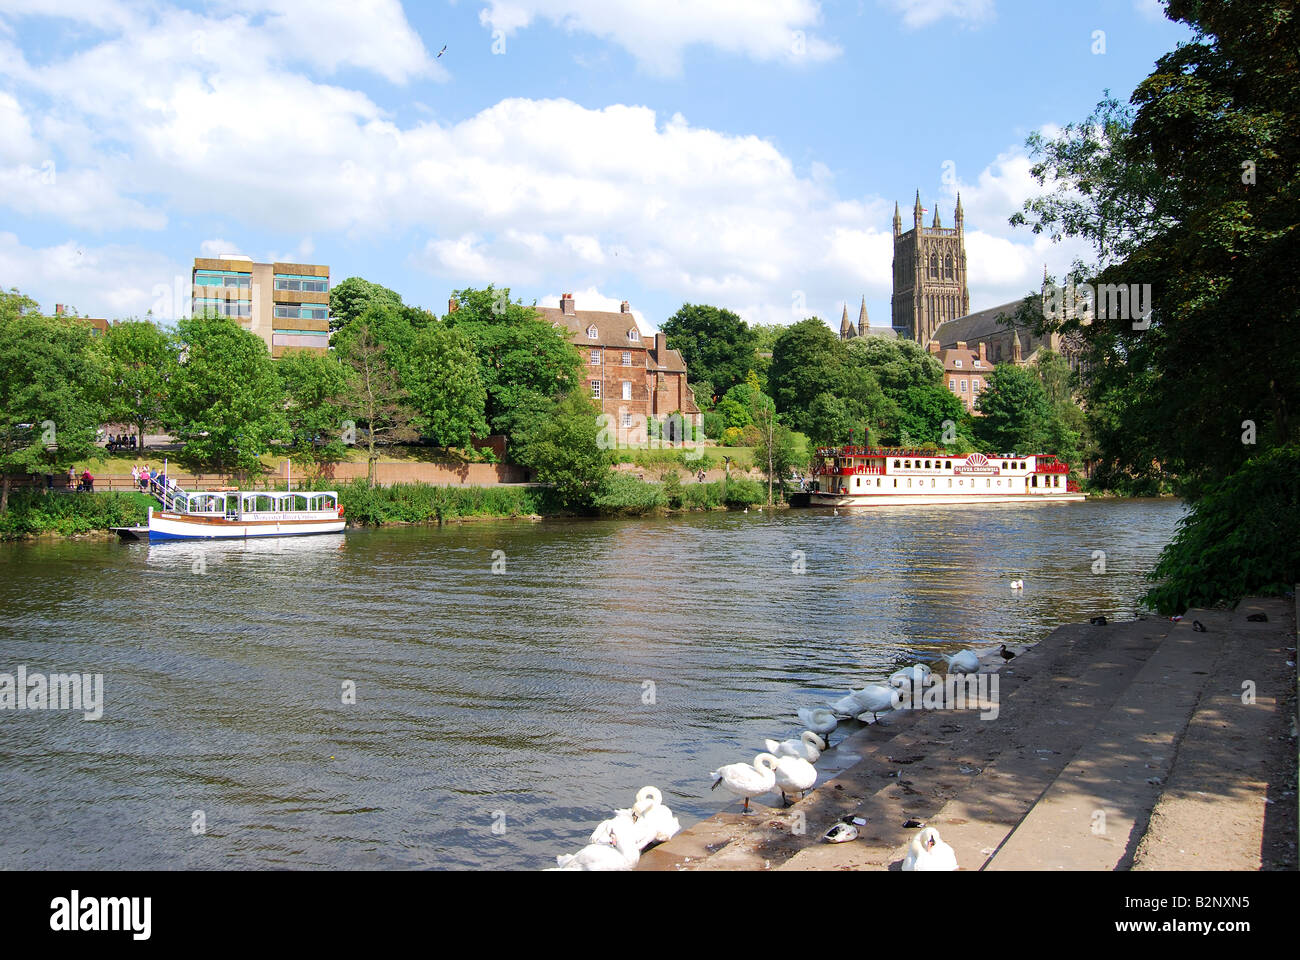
(1153, 10)
(592, 299)
(111, 281)
(921, 13)
(657, 33)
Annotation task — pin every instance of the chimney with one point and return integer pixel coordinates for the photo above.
(933, 347)
(661, 344)
(452, 305)
(58, 309)
(983, 353)
(624, 307)
(566, 306)
(961, 344)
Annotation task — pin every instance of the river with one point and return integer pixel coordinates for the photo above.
(499, 714)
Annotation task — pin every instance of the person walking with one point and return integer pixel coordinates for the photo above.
(89, 481)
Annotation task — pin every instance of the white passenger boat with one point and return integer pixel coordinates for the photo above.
(886, 476)
(220, 514)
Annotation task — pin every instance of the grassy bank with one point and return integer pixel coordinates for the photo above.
(624, 496)
(34, 512)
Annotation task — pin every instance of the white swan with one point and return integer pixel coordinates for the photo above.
(1017, 584)
(747, 780)
(917, 673)
(794, 775)
(809, 746)
(621, 853)
(658, 820)
(965, 661)
(927, 852)
(875, 698)
(847, 705)
(819, 721)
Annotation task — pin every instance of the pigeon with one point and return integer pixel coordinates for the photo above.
(1006, 654)
(1258, 618)
(1198, 627)
(1098, 621)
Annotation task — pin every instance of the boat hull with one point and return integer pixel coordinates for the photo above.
(936, 499)
(172, 527)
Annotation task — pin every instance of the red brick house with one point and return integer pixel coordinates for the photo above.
(635, 378)
(965, 372)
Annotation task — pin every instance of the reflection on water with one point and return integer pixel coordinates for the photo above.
(225, 666)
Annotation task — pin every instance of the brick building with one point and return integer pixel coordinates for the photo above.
(965, 371)
(635, 378)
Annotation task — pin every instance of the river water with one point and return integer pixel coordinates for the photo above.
(498, 715)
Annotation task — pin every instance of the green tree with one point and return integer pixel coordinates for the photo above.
(897, 365)
(524, 360)
(142, 363)
(51, 382)
(929, 413)
(373, 397)
(560, 441)
(350, 299)
(1016, 414)
(446, 387)
(715, 343)
(807, 360)
(312, 383)
(227, 402)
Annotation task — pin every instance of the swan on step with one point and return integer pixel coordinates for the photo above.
(794, 775)
(621, 853)
(819, 721)
(747, 780)
(631, 823)
(917, 673)
(928, 852)
(876, 698)
(964, 661)
(655, 816)
(809, 746)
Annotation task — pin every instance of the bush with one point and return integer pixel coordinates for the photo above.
(1241, 538)
(714, 424)
(734, 437)
(34, 511)
(424, 503)
(625, 495)
(743, 493)
(751, 436)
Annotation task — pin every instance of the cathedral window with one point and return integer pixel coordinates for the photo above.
(948, 267)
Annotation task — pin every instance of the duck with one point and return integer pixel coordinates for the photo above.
(819, 721)
(658, 820)
(794, 775)
(809, 746)
(875, 698)
(964, 661)
(1006, 654)
(842, 832)
(747, 780)
(928, 852)
(621, 853)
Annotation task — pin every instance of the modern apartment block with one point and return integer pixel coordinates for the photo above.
(286, 304)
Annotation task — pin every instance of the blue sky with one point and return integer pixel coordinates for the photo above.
(745, 153)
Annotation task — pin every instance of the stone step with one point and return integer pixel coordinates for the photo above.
(858, 765)
(1215, 801)
(977, 779)
(1095, 811)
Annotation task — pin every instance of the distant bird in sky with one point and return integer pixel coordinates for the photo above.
(442, 51)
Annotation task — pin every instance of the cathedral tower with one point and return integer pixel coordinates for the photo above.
(929, 274)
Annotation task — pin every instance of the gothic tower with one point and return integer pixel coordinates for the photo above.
(929, 274)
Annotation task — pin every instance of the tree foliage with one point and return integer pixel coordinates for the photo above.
(716, 344)
(446, 387)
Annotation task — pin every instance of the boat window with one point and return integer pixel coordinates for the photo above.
(895, 464)
(907, 464)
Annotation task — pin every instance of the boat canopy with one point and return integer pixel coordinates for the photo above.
(220, 503)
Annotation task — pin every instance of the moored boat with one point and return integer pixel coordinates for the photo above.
(222, 514)
(852, 476)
